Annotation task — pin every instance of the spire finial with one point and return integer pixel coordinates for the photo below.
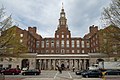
(62, 5)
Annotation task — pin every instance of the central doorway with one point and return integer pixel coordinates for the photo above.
(25, 64)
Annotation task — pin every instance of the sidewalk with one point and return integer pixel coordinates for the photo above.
(61, 79)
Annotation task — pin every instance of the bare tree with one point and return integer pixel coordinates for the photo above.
(4, 23)
(9, 40)
(111, 14)
(2, 12)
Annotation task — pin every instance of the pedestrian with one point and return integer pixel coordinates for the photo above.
(67, 67)
(73, 68)
(56, 68)
(59, 69)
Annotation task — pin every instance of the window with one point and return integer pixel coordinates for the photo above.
(57, 43)
(83, 51)
(72, 43)
(83, 44)
(42, 44)
(31, 50)
(78, 51)
(67, 51)
(62, 51)
(94, 50)
(96, 42)
(67, 36)
(73, 51)
(52, 51)
(21, 35)
(52, 43)
(47, 51)
(97, 48)
(57, 36)
(88, 44)
(91, 45)
(62, 43)
(67, 43)
(96, 36)
(47, 43)
(57, 51)
(62, 36)
(37, 44)
(21, 40)
(78, 43)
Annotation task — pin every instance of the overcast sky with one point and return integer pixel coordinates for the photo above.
(44, 14)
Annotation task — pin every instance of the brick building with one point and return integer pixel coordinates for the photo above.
(62, 49)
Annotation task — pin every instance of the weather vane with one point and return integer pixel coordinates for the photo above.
(62, 5)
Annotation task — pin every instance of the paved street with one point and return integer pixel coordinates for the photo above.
(55, 75)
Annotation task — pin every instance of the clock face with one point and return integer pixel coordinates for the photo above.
(62, 15)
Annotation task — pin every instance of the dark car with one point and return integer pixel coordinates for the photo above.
(92, 73)
(31, 72)
(112, 72)
(10, 71)
(79, 72)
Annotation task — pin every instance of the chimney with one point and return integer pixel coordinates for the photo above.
(93, 29)
(32, 29)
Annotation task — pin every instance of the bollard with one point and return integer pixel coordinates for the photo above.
(103, 76)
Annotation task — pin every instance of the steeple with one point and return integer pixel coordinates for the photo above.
(62, 5)
(62, 20)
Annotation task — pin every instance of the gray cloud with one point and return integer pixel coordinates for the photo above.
(44, 14)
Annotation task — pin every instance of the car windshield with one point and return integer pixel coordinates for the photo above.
(32, 70)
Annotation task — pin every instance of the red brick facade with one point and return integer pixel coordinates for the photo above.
(62, 42)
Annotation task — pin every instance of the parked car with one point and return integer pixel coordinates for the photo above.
(12, 71)
(92, 73)
(79, 72)
(31, 72)
(112, 72)
(2, 69)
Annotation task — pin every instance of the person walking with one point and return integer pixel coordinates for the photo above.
(60, 69)
(73, 68)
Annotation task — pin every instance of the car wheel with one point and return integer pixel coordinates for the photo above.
(117, 73)
(35, 73)
(87, 76)
(99, 76)
(13, 73)
(23, 74)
